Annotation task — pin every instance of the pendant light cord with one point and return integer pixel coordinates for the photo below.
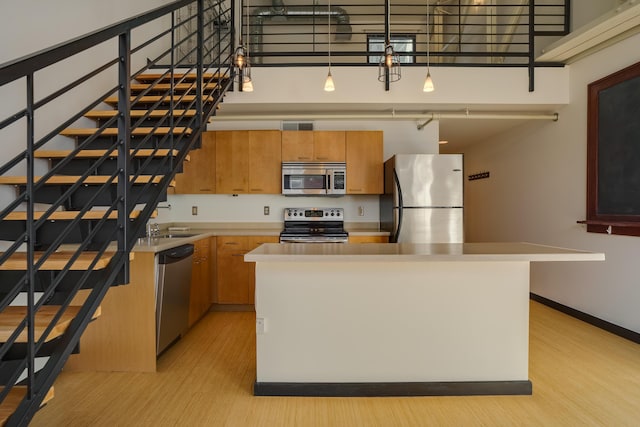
(329, 30)
(248, 33)
(428, 36)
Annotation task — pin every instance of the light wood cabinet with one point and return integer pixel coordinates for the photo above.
(200, 298)
(236, 278)
(364, 153)
(265, 162)
(199, 174)
(232, 162)
(313, 146)
(368, 239)
(297, 146)
(329, 146)
(248, 162)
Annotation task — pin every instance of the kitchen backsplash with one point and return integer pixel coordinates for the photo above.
(251, 207)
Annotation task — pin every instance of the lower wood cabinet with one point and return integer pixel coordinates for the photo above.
(201, 278)
(236, 278)
(368, 239)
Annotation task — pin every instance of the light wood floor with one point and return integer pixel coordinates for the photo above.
(582, 376)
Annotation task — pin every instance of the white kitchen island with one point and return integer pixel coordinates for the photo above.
(395, 319)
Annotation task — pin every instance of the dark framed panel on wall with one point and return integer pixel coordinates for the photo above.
(613, 153)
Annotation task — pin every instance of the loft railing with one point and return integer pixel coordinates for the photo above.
(45, 94)
(462, 32)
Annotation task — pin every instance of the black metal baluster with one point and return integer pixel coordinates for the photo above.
(124, 140)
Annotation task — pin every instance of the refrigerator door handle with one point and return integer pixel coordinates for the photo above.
(396, 233)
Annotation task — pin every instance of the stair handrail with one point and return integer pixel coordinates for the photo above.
(125, 233)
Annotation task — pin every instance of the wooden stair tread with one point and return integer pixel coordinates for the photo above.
(139, 131)
(58, 260)
(149, 99)
(11, 317)
(167, 86)
(154, 114)
(13, 399)
(151, 77)
(72, 179)
(70, 215)
(93, 154)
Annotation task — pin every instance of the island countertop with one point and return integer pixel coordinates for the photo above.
(403, 252)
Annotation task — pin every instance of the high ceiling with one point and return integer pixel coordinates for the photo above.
(458, 125)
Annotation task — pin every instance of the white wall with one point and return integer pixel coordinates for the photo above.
(28, 26)
(537, 192)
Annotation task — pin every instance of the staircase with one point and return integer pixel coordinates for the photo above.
(79, 193)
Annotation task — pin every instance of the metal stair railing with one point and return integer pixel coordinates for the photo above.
(39, 118)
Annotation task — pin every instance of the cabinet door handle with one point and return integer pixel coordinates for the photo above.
(359, 190)
(238, 189)
(256, 189)
(205, 189)
(322, 158)
(231, 243)
(304, 158)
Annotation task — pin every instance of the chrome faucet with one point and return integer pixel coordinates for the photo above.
(153, 229)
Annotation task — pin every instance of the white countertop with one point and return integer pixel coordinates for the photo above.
(403, 252)
(201, 231)
(157, 244)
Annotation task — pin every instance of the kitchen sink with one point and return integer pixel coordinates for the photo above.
(175, 235)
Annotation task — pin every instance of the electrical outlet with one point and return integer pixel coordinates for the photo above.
(260, 325)
(360, 210)
(266, 210)
(194, 210)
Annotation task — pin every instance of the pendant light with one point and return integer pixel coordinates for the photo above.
(428, 81)
(328, 83)
(239, 56)
(389, 66)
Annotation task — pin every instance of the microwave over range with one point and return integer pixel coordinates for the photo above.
(314, 179)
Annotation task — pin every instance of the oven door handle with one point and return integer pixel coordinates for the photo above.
(315, 240)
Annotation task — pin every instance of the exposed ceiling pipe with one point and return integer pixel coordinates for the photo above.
(393, 115)
(278, 11)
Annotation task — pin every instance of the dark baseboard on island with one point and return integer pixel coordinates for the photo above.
(471, 388)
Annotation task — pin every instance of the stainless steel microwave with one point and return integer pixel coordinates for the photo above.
(314, 179)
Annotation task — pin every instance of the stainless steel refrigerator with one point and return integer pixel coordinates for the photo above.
(423, 198)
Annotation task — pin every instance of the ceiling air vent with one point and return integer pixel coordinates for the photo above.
(297, 125)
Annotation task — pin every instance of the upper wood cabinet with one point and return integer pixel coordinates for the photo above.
(232, 162)
(364, 162)
(265, 162)
(297, 146)
(313, 146)
(248, 161)
(329, 146)
(199, 174)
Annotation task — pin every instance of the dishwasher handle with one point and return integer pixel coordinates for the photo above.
(176, 254)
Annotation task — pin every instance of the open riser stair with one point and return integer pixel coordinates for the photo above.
(75, 201)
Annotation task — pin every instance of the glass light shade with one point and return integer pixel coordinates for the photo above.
(428, 83)
(239, 59)
(247, 85)
(388, 60)
(328, 83)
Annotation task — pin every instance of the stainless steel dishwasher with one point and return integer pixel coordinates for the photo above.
(172, 295)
